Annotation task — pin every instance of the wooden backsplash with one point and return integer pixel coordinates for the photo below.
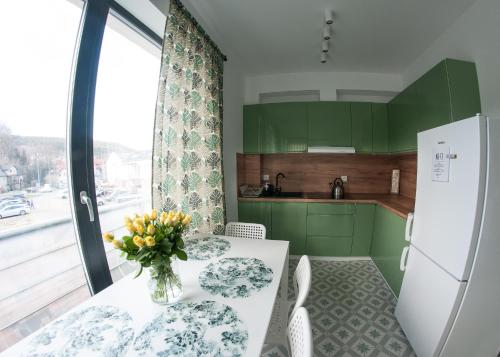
(314, 172)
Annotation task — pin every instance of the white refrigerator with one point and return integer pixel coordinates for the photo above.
(457, 167)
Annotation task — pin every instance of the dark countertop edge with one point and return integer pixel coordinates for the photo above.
(399, 205)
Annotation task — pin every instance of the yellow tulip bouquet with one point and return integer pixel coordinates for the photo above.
(154, 242)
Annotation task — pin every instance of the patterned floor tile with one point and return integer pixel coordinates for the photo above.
(352, 312)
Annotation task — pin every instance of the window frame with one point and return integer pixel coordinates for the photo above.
(79, 145)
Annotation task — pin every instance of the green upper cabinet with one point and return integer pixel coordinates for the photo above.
(464, 89)
(403, 121)
(433, 98)
(380, 129)
(362, 127)
(283, 128)
(256, 212)
(329, 124)
(387, 245)
(447, 92)
(252, 117)
(289, 223)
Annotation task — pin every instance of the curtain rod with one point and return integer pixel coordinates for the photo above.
(199, 27)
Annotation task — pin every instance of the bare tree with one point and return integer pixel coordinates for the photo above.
(5, 144)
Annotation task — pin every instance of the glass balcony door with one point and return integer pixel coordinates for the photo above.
(124, 113)
(68, 168)
(41, 273)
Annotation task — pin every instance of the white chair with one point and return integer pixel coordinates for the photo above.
(302, 278)
(302, 281)
(299, 334)
(246, 230)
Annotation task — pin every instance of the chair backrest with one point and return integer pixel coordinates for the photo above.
(302, 281)
(246, 230)
(300, 334)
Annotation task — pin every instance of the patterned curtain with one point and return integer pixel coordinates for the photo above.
(187, 153)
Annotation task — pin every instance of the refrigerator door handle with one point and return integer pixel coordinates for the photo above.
(404, 257)
(409, 227)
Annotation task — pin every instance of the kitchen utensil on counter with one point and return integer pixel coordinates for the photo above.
(268, 189)
(250, 191)
(337, 187)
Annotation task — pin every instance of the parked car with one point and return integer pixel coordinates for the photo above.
(13, 201)
(16, 209)
(113, 195)
(126, 197)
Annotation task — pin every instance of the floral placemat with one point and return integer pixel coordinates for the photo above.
(204, 248)
(94, 331)
(236, 277)
(205, 328)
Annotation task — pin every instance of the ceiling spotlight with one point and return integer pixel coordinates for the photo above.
(326, 33)
(324, 57)
(328, 17)
(324, 46)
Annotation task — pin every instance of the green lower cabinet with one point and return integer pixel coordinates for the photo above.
(330, 209)
(289, 223)
(387, 245)
(256, 212)
(363, 230)
(330, 225)
(329, 246)
(330, 229)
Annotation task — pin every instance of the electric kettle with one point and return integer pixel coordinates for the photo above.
(337, 189)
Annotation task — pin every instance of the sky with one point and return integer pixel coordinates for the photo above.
(38, 39)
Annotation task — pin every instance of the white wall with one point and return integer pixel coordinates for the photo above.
(474, 36)
(232, 133)
(326, 82)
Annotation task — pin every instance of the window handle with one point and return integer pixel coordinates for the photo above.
(85, 200)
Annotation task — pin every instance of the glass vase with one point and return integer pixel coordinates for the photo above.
(164, 283)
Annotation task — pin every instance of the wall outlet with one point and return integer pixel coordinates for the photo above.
(265, 177)
(344, 178)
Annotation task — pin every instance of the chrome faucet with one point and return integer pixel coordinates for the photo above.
(277, 188)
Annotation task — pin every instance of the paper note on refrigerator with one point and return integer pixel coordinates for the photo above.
(441, 164)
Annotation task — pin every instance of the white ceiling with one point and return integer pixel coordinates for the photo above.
(148, 13)
(279, 36)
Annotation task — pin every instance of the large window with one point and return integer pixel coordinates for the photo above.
(41, 274)
(124, 113)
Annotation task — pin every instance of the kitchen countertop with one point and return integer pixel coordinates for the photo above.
(397, 204)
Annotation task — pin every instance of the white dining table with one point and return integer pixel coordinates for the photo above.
(131, 295)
